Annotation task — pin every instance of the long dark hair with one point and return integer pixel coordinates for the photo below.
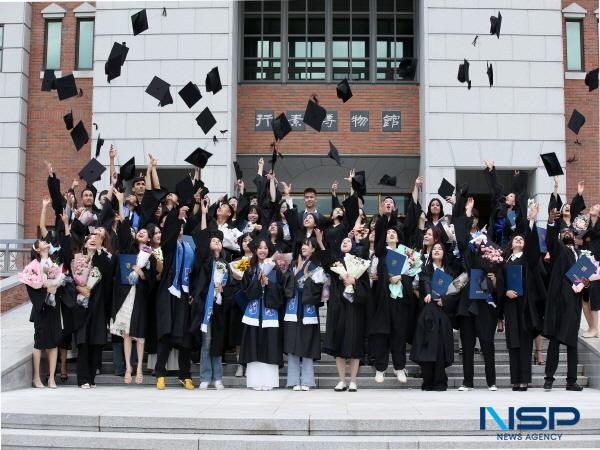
(256, 210)
(437, 238)
(255, 244)
(429, 216)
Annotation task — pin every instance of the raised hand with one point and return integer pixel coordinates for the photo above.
(118, 195)
(470, 203)
(183, 212)
(580, 187)
(419, 182)
(49, 167)
(553, 215)
(112, 152)
(46, 201)
(334, 187)
(261, 163)
(204, 205)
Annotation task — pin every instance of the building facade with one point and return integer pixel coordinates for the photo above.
(409, 115)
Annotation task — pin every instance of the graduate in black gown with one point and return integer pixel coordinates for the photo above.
(563, 305)
(521, 316)
(433, 343)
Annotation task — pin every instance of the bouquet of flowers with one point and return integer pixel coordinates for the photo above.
(413, 260)
(142, 260)
(283, 260)
(580, 225)
(53, 276)
(353, 266)
(218, 275)
(32, 275)
(491, 256)
(240, 266)
(80, 268)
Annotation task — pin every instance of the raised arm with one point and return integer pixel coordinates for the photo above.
(43, 229)
(112, 152)
(154, 173)
(555, 200)
(335, 202)
(578, 204)
(417, 188)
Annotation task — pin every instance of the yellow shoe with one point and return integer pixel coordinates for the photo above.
(187, 383)
(161, 383)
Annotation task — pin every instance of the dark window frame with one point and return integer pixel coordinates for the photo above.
(47, 22)
(79, 20)
(581, 43)
(329, 13)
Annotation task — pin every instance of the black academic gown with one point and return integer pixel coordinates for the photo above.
(260, 344)
(47, 329)
(563, 306)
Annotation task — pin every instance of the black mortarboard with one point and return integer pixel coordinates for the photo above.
(281, 127)
(99, 144)
(139, 22)
(490, 74)
(116, 59)
(185, 191)
(359, 183)
(127, 171)
(159, 89)
(591, 79)
(158, 194)
(206, 120)
(495, 24)
(213, 81)
(551, 164)
(238, 171)
(79, 135)
(198, 158)
(68, 118)
(66, 87)
(343, 90)
(576, 122)
(446, 189)
(92, 171)
(334, 154)
(386, 180)
(190, 94)
(407, 68)
(463, 73)
(49, 81)
(314, 115)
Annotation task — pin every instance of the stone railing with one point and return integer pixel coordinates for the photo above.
(14, 255)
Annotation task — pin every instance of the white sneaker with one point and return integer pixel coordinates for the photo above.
(379, 377)
(340, 387)
(465, 388)
(240, 371)
(297, 388)
(493, 387)
(401, 375)
(305, 388)
(352, 387)
(267, 388)
(219, 385)
(203, 386)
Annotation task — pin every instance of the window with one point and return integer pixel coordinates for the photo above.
(328, 40)
(53, 41)
(85, 44)
(1, 44)
(574, 45)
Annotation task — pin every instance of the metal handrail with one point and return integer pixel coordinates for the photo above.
(14, 255)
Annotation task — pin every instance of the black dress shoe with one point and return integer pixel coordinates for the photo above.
(574, 387)
(548, 385)
(523, 388)
(516, 388)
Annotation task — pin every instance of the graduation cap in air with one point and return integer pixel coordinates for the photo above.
(190, 94)
(281, 127)
(314, 115)
(490, 74)
(334, 154)
(576, 122)
(127, 171)
(185, 191)
(359, 183)
(66, 87)
(407, 68)
(343, 90)
(213, 81)
(116, 59)
(139, 22)
(206, 120)
(463, 73)
(446, 189)
(198, 158)
(68, 118)
(238, 171)
(159, 89)
(92, 171)
(99, 144)
(79, 135)
(591, 79)
(49, 81)
(386, 180)
(551, 164)
(495, 24)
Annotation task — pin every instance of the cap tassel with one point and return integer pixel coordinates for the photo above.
(164, 12)
(475, 40)
(80, 92)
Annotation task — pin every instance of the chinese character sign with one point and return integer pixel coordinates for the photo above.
(296, 120)
(359, 120)
(390, 121)
(263, 120)
(330, 122)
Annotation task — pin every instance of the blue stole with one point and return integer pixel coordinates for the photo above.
(134, 218)
(270, 317)
(210, 298)
(309, 311)
(184, 262)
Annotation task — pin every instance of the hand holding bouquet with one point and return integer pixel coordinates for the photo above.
(353, 266)
(218, 275)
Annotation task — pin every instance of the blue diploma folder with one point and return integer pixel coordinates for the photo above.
(394, 262)
(440, 283)
(126, 263)
(514, 278)
(583, 268)
(476, 282)
(542, 239)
